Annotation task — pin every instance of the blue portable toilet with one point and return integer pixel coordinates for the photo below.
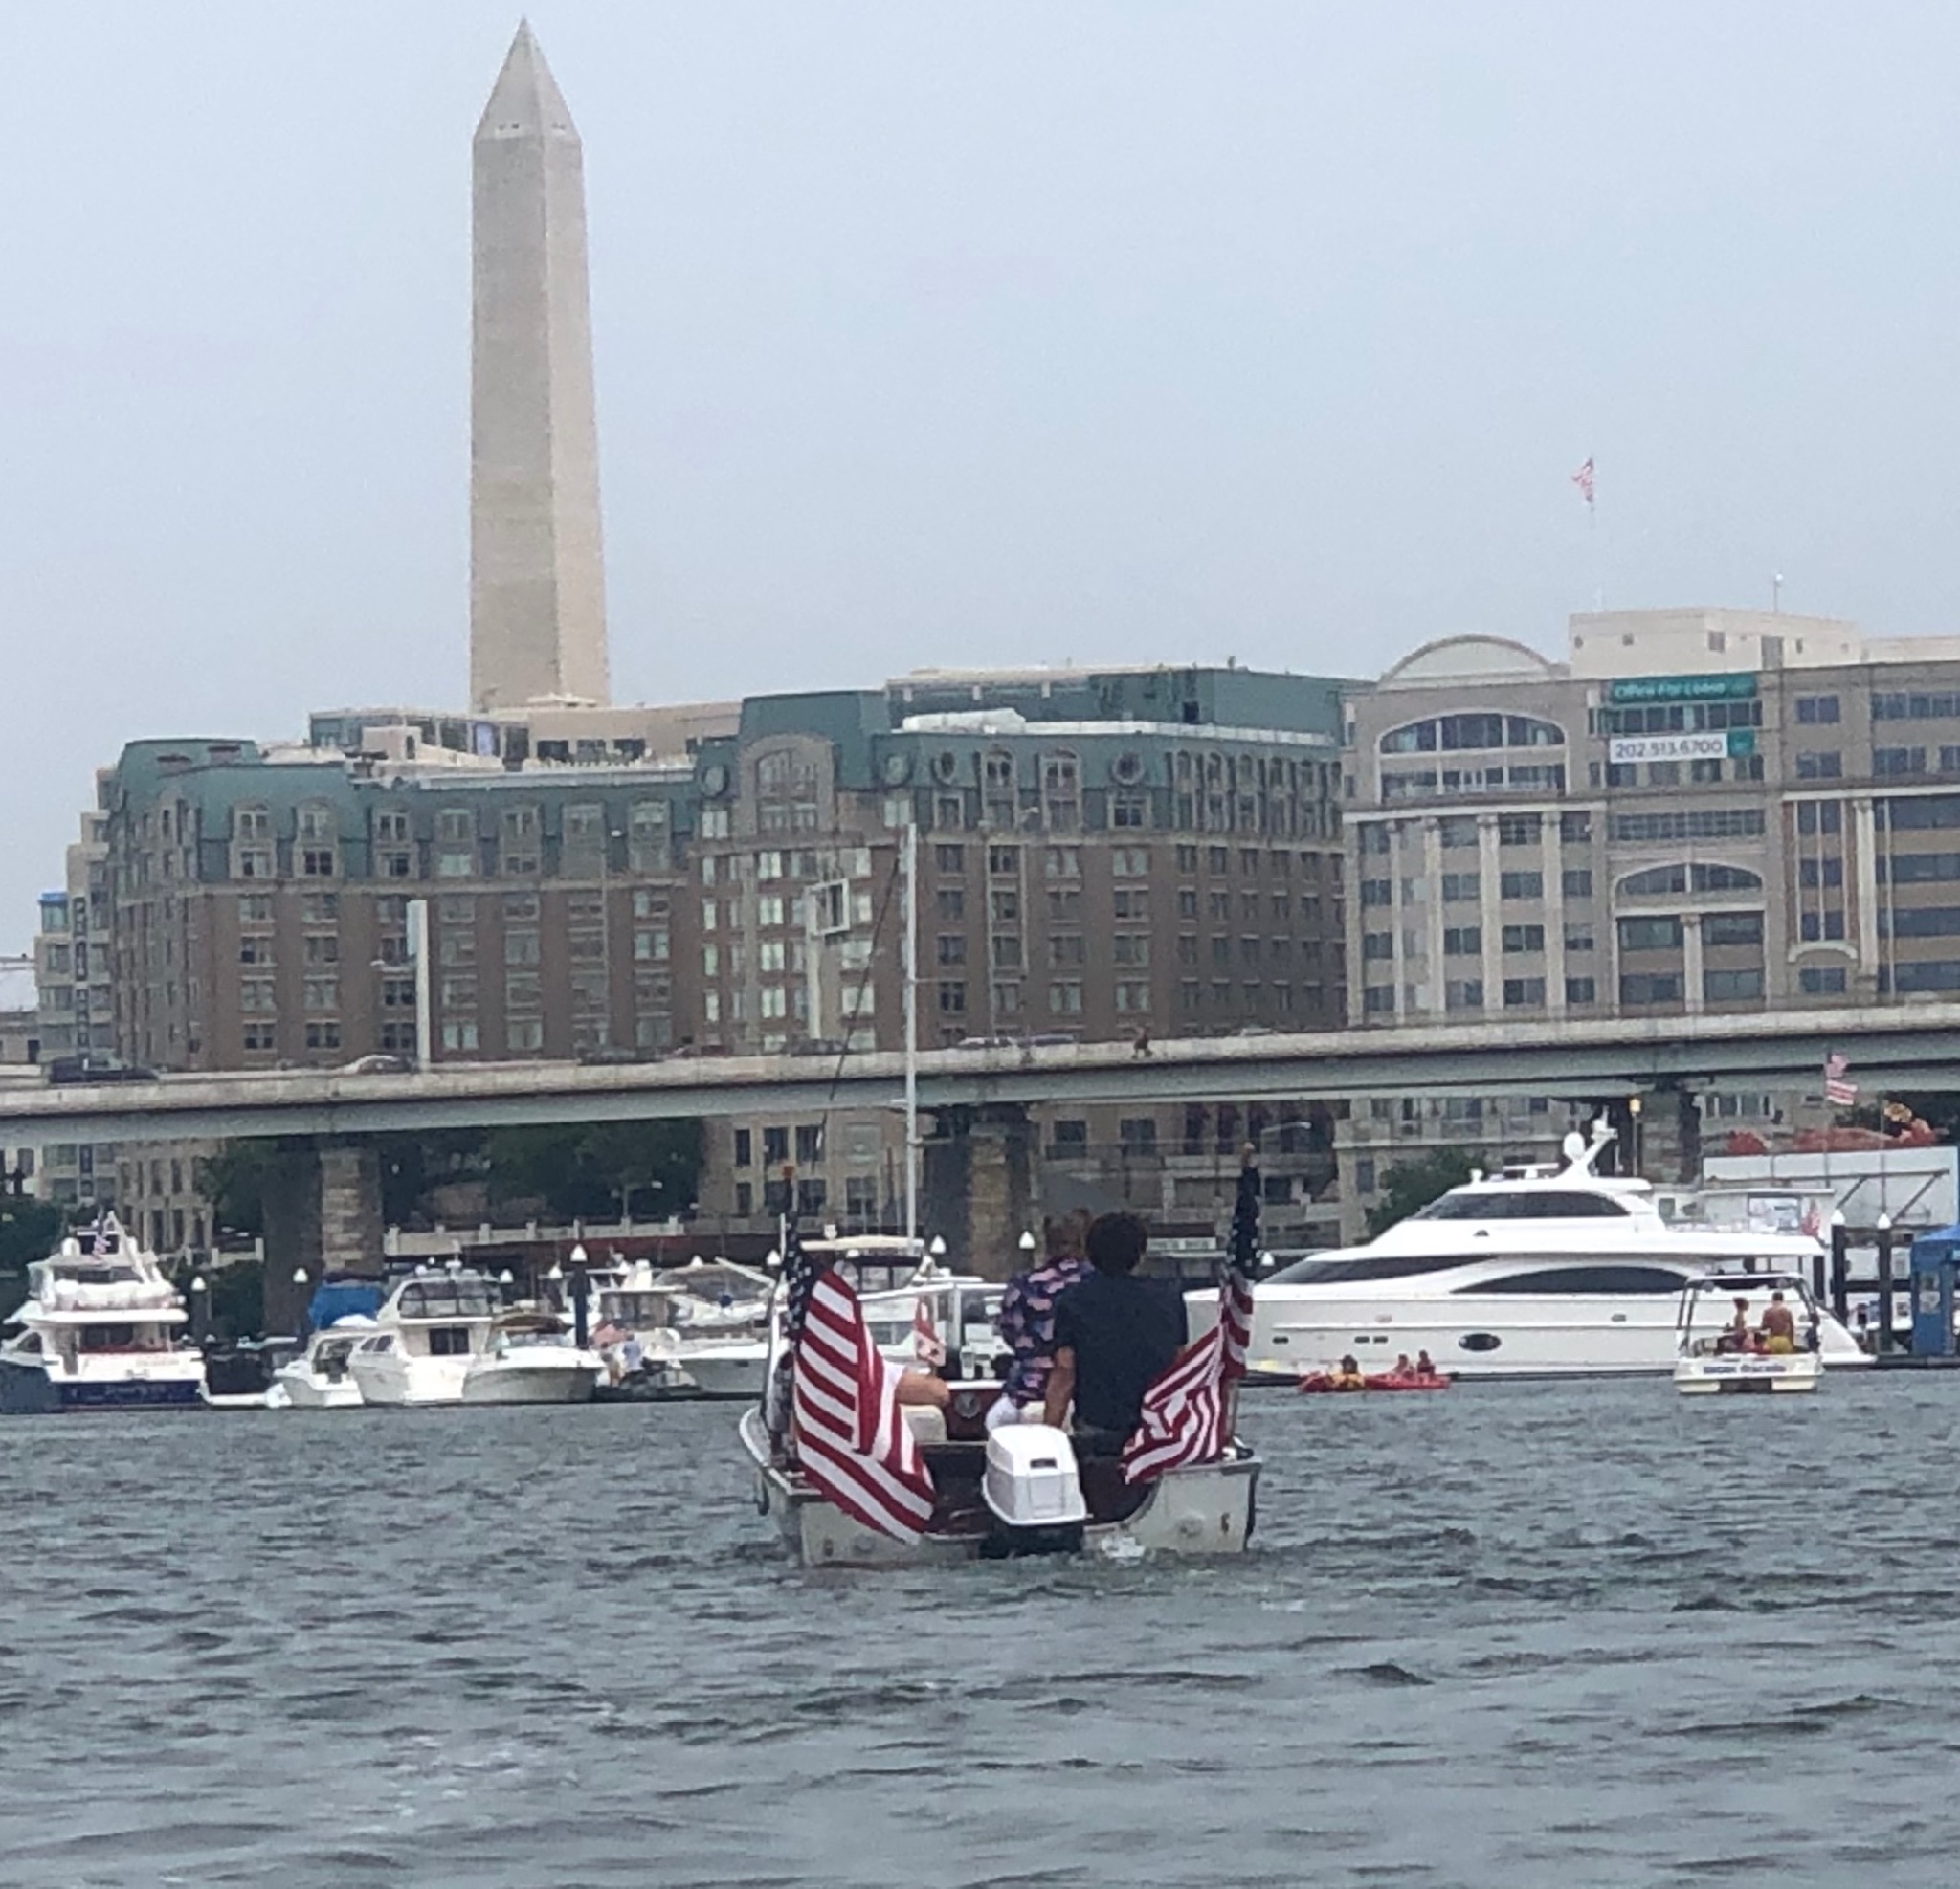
(1935, 1259)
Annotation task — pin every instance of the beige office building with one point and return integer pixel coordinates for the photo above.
(1694, 810)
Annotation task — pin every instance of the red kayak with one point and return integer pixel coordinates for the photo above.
(1325, 1380)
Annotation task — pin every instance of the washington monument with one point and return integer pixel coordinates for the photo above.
(537, 583)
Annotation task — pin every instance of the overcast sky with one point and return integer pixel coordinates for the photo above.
(1106, 331)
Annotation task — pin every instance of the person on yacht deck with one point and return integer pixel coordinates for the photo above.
(1779, 1326)
(1026, 1320)
(1113, 1334)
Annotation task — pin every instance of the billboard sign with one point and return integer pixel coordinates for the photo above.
(1713, 746)
(1680, 688)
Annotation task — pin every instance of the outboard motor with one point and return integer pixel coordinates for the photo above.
(1033, 1491)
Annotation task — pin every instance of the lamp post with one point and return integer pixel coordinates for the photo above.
(1882, 1340)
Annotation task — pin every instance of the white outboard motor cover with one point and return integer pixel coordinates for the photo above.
(1032, 1481)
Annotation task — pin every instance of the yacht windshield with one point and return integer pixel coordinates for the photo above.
(1533, 1204)
(446, 1298)
(1377, 1266)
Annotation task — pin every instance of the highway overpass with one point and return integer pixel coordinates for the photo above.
(1903, 1046)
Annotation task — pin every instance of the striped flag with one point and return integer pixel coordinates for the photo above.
(1837, 1090)
(852, 1439)
(1187, 1411)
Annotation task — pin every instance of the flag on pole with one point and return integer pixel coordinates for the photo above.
(1186, 1410)
(852, 1439)
(928, 1347)
(1583, 479)
(1837, 1092)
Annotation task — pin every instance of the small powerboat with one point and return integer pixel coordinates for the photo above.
(532, 1359)
(319, 1379)
(1730, 1338)
(1018, 1490)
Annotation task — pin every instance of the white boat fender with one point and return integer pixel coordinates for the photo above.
(1032, 1478)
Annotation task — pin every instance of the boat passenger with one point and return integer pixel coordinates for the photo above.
(1425, 1365)
(1026, 1320)
(1403, 1367)
(1113, 1333)
(1779, 1327)
(1348, 1377)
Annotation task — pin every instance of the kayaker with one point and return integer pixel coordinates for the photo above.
(1348, 1377)
(1424, 1365)
(1113, 1333)
(1403, 1367)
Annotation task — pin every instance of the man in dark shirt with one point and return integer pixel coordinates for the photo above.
(1113, 1333)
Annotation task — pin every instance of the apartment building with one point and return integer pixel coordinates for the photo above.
(1105, 854)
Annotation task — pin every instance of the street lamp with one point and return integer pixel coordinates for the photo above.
(1027, 1242)
(298, 1275)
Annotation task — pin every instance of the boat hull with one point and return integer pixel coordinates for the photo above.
(306, 1393)
(1207, 1509)
(391, 1380)
(30, 1390)
(504, 1382)
(1479, 1335)
(726, 1374)
(1747, 1375)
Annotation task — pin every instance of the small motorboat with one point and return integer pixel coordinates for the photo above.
(244, 1376)
(1019, 1490)
(532, 1359)
(319, 1379)
(1728, 1339)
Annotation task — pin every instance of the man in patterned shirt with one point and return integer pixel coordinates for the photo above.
(1026, 1321)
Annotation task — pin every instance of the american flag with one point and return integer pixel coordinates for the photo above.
(1837, 1092)
(1583, 479)
(799, 1274)
(1187, 1409)
(852, 1439)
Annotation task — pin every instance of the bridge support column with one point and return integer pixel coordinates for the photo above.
(323, 1214)
(979, 1191)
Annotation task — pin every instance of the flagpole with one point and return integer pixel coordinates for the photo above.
(911, 859)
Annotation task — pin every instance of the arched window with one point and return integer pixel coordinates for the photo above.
(1668, 882)
(1478, 733)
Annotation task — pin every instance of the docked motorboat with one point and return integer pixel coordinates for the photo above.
(1536, 1271)
(1018, 1490)
(100, 1329)
(429, 1330)
(532, 1359)
(319, 1378)
(1720, 1351)
(244, 1375)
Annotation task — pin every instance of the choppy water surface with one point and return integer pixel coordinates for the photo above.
(1527, 1634)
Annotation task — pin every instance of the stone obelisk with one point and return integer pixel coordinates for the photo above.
(537, 583)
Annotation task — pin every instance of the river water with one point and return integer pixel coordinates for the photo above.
(1522, 1634)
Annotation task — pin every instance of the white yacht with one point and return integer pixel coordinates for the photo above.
(100, 1330)
(532, 1359)
(319, 1379)
(1537, 1271)
(429, 1330)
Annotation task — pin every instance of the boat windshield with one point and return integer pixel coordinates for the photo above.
(446, 1298)
(94, 1272)
(1524, 1204)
